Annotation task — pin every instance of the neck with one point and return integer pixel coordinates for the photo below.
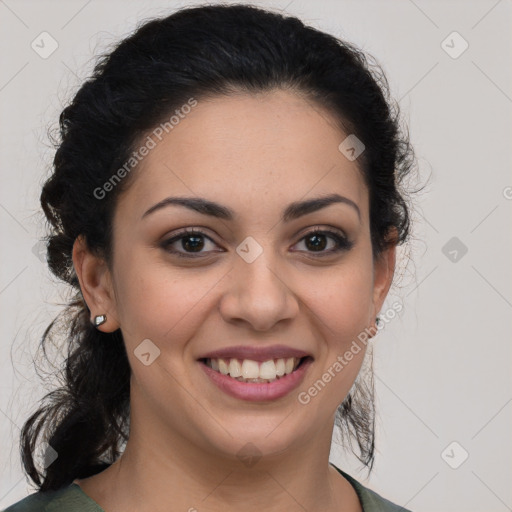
(157, 471)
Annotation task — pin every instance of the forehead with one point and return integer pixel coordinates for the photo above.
(249, 151)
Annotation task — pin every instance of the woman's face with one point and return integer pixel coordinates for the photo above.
(254, 280)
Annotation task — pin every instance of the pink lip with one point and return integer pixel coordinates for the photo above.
(255, 353)
(257, 392)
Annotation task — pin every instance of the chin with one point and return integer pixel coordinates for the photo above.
(255, 438)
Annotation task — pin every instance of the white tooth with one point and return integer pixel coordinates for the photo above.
(235, 368)
(223, 367)
(250, 369)
(268, 370)
(289, 365)
(280, 367)
(214, 364)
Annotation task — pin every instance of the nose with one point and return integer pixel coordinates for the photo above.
(258, 294)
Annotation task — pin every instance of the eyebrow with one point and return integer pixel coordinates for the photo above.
(293, 210)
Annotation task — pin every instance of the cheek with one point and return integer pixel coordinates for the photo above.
(161, 302)
(341, 297)
(340, 304)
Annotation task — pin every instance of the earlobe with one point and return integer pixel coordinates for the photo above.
(96, 286)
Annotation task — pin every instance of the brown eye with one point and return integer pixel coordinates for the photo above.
(316, 241)
(192, 241)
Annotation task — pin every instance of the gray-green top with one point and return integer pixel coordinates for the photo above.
(73, 499)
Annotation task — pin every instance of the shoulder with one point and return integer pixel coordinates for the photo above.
(370, 500)
(67, 499)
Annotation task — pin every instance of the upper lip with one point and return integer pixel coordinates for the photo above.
(256, 353)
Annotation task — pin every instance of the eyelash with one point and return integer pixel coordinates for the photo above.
(342, 243)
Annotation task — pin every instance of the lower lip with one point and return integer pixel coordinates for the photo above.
(254, 391)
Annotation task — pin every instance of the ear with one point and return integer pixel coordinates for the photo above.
(96, 284)
(383, 272)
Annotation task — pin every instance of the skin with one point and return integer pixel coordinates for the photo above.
(254, 154)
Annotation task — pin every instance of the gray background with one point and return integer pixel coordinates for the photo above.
(443, 366)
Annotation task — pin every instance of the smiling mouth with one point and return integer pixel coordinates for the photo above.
(250, 371)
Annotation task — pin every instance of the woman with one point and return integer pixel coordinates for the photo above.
(225, 202)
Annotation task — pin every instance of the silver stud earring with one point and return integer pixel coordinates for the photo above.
(100, 319)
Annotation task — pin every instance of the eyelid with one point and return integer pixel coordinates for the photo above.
(202, 230)
(343, 242)
(323, 228)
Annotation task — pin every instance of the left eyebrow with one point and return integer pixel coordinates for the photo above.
(292, 211)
